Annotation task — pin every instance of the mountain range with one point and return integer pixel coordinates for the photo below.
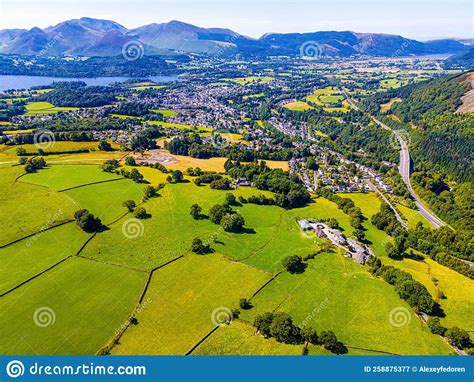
(93, 37)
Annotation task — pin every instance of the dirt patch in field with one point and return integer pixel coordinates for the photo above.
(156, 156)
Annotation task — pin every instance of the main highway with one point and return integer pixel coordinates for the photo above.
(404, 169)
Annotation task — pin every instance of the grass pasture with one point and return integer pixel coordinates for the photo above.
(65, 176)
(44, 208)
(29, 257)
(165, 112)
(335, 293)
(180, 302)
(330, 98)
(297, 106)
(42, 108)
(105, 199)
(458, 289)
(412, 216)
(239, 338)
(88, 301)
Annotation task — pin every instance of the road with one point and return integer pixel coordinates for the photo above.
(404, 169)
(397, 215)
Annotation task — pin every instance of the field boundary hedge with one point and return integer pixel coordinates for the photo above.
(203, 339)
(35, 276)
(36, 233)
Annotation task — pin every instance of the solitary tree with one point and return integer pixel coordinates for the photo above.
(198, 246)
(232, 222)
(245, 304)
(136, 176)
(293, 264)
(104, 145)
(87, 221)
(177, 176)
(130, 161)
(140, 213)
(195, 211)
(230, 199)
(149, 192)
(129, 205)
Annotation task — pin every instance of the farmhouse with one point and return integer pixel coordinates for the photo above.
(305, 225)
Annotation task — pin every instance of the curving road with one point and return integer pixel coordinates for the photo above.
(404, 169)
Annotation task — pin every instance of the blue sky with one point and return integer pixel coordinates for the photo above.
(421, 19)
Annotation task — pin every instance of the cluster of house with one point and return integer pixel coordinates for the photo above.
(353, 249)
(200, 105)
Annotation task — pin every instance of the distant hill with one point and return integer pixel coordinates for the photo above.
(463, 59)
(93, 37)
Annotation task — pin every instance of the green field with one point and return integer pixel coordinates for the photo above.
(62, 177)
(29, 257)
(42, 108)
(88, 301)
(412, 216)
(239, 338)
(105, 199)
(44, 208)
(327, 98)
(165, 112)
(457, 288)
(297, 106)
(335, 293)
(168, 233)
(179, 304)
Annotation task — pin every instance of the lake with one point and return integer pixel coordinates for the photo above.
(26, 82)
